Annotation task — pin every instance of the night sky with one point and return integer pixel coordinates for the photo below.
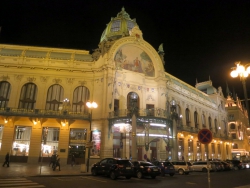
(201, 39)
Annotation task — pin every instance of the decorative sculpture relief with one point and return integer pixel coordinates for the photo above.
(18, 77)
(5, 78)
(82, 83)
(70, 80)
(44, 79)
(31, 79)
(57, 80)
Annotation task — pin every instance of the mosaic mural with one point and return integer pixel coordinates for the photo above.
(134, 59)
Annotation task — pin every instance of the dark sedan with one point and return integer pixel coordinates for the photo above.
(142, 168)
(166, 167)
(113, 167)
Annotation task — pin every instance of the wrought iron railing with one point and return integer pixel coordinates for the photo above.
(156, 112)
(43, 113)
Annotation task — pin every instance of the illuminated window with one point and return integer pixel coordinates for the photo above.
(50, 140)
(21, 142)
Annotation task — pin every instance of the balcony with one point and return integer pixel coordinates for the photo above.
(156, 112)
(187, 129)
(41, 113)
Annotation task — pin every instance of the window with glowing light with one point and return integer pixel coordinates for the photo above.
(50, 140)
(198, 151)
(21, 144)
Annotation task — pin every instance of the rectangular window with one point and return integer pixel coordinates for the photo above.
(21, 142)
(96, 140)
(77, 145)
(50, 139)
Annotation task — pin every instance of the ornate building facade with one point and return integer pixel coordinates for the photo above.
(143, 112)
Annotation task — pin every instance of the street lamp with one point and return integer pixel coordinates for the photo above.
(90, 105)
(134, 111)
(242, 71)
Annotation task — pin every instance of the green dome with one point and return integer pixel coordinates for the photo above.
(119, 26)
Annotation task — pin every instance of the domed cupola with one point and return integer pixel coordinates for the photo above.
(119, 26)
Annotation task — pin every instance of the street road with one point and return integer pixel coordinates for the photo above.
(231, 179)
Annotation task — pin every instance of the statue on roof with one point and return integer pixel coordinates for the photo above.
(161, 53)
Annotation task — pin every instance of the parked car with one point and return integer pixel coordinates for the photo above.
(217, 166)
(142, 168)
(227, 166)
(202, 166)
(237, 165)
(182, 167)
(166, 167)
(113, 167)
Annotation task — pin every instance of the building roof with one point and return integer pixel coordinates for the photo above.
(118, 26)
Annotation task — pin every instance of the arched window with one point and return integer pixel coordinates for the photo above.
(196, 119)
(5, 89)
(54, 97)
(210, 122)
(80, 97)
(133, 102)
(187, 113)
(28, 96)
(203, 120)
(216, 125)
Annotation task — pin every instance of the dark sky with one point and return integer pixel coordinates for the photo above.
(200, 38)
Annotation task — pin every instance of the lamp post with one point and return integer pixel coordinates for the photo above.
(134, 111)
(90, 105)
(175, 118)
(242, 71)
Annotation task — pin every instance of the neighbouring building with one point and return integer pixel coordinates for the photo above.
(238, 127)
(143, 112)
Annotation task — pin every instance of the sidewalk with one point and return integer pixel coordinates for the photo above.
(25, 170)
